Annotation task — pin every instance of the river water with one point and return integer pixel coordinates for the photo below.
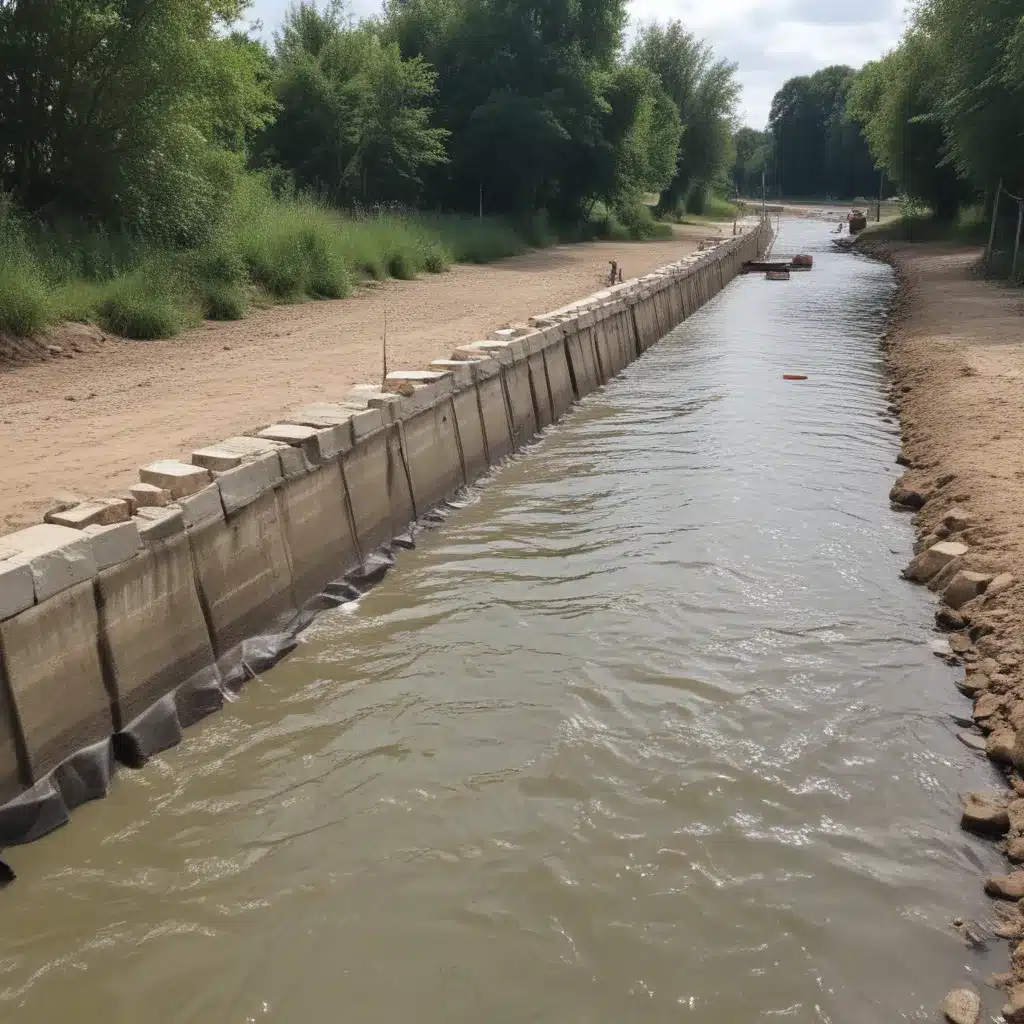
(651, 730)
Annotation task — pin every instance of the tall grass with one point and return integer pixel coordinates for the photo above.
(264, 250)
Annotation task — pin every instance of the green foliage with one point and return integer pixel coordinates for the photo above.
(817, 148)
(704, 91)
(354, 121)
(145, 304)
(116, 111)
(895, 99)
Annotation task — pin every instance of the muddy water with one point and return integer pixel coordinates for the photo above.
(650, 731)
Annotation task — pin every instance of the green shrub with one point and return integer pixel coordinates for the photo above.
(140, 305)
(221, 301)
(25, 308)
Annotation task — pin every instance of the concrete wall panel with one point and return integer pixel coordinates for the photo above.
(317, 529)
(580, 350)
(540, 390)
(495, 418)
(245, 575)
(52, 658)
(432, 448)
(378, 488)
(471, 432)
(557, 366)
(152, 625)
(520, 401)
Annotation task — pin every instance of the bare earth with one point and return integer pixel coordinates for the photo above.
(85, 424)
(956, 352)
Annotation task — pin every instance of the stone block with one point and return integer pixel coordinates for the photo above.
(149, 496)
(233, 451)
(58, 556)
(333, 440)
(321, 414)
(180, 478)
(201, 507)
(965, 586)
(460, 370)
(296, 462)
(158, 524)
(152, 625)
(52, 657)
(113, 544)
(931, 561)
(244, 484)
(96, 512)
(17, 589)
(366, 423)
(295, 436)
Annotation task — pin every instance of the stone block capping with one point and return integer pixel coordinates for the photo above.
(125, 619)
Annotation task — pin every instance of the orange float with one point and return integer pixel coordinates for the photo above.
(794, 376)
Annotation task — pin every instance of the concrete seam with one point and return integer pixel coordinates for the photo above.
(458, 439)
(204, 604)
(403, 453)
(513, 433)
(17, 727)
(483, 425)
(349, 512)
(106, 657)
(572, 372)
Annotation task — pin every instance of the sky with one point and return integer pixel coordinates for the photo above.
(770, 40)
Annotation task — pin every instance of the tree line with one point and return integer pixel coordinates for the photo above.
(143, 116)
(938, 120)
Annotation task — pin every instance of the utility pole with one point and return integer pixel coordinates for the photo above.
(992, 229)
(881, 186)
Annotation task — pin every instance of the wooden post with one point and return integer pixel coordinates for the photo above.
(992, 229)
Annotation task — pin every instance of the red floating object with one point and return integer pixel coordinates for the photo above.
(794, 376)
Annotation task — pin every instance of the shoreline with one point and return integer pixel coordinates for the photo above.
(955, 364)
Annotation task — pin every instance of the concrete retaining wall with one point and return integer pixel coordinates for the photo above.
(124, 620)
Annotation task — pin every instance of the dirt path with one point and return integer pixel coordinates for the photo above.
(956, 352)
(87, 423)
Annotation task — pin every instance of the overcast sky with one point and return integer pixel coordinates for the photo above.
(770, 40)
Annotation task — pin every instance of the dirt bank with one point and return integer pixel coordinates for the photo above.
(86, 423)
(956, 356)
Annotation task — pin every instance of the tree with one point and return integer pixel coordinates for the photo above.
(896, 99)
(354, 120)
(705, 91)
(753, 150)
(126, 112)
(818, 149)
(979, 45)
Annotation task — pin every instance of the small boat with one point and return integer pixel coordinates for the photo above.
(759, 265)
(777, 275)
(803, 262)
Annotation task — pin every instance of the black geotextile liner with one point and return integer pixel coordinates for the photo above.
(86, 774)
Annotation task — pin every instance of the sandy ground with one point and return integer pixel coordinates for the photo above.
(86, 423)
(956, 353)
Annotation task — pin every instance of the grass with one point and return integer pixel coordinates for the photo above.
(263, 251)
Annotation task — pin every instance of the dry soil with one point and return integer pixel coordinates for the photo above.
(84, 418)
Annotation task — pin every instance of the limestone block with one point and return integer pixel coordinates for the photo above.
(297, 462)
(366, 423)
(233, 451)
(965, 586)
(932, 560)
(321, 414)
(51, 655)
(180, 478)
(296, 437)
(516, 347)
(244, 484)
(58, 556)
(113, 544)
(985, 813)
(96, 512)
(333, 440)
(201, 507)
(460, 370)
(157, 524)
(17, 589)
(396, 381)
(149, 496)
(152, 625)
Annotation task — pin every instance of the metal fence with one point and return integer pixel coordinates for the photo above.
(995, 254)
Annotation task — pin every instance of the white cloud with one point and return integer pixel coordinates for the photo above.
(770, 40)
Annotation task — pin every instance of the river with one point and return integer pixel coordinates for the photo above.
(650, 730)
